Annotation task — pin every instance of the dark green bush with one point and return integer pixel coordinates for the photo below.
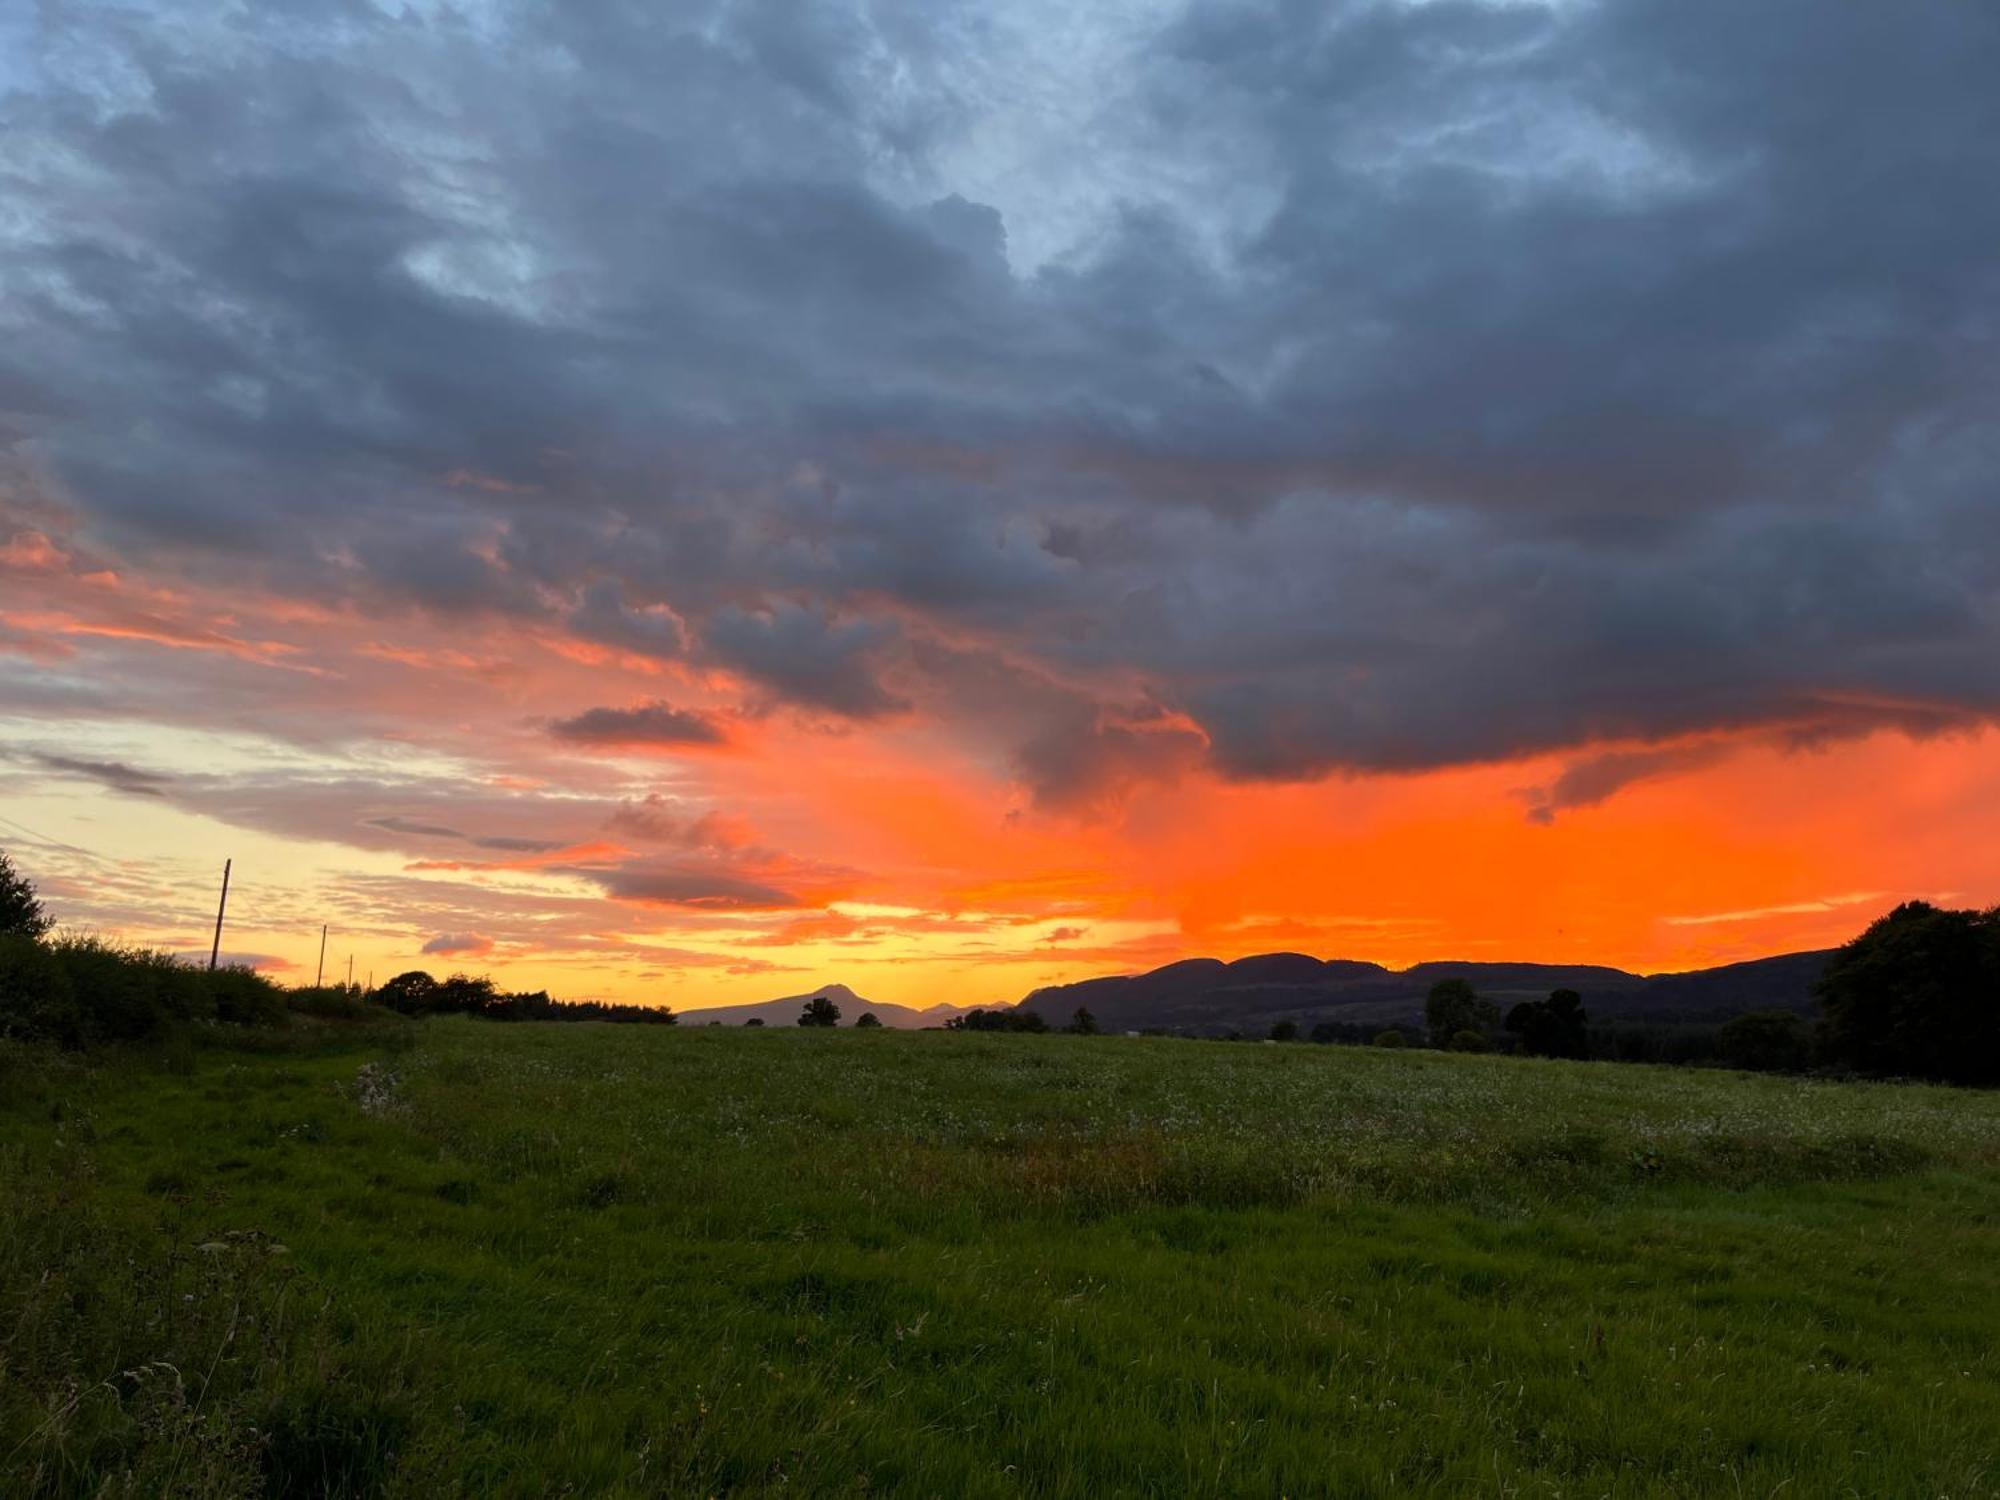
(36, 1000)
(130, 994)
(332, 1002)
(997, 1020)
(80, 991)
(243, 997)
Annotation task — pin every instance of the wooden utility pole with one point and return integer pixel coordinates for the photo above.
(215, 948)
(350, 971)
(319, 975)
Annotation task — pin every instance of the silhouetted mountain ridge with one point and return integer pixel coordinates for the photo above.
(1207, 995)
(785, 1011)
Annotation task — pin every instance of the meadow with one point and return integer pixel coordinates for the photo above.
(454, 1257)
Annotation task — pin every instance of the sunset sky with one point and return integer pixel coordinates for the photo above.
(692, 502)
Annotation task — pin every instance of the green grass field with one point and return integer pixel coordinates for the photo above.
(579, 1259)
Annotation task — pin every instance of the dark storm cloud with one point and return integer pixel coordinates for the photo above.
(806, 657)
(1366, 386)
(1087, 766)
(643, 724)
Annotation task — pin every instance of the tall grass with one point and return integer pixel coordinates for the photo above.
(523, 1260)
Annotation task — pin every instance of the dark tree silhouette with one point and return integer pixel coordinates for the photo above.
(1083, 1023)
(1917, 995)
(1285, 1031)
(1555, 1027)
(21, 912)
(997, 1020)
(820, 1011)
(410, 993)
(415, 993)
(754, 1021)
(1452, 1007)
(868, 1018)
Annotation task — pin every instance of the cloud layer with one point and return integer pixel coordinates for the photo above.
(1600, 370)
(1193, 390)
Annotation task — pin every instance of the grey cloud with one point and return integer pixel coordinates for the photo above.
(808, 657)
(602, 615)
(116, 775)
(660, 820)
(415, 826)
(1597, 778)
(1091, 766)
(653, 723)
(695, 887)
(1397, 385)
(501, 843)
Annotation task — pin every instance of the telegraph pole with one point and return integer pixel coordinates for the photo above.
(320, 975)
(215, 948)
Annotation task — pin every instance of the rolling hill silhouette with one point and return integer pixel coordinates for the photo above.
(785, 1011)
(1206, 995)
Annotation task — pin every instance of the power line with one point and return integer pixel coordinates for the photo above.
(43, 838)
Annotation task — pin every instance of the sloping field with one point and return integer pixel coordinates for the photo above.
(528, 1260)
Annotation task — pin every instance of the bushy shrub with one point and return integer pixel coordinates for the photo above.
(243, 997)
(997, 1020)
(1469, 1040)
(36, 1000)
(332, 1002)
(1391, 1038)
(130, 994)
(78, 991)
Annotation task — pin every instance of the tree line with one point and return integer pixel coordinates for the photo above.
(416, 993)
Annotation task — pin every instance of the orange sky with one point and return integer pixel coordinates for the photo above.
(395, 778)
